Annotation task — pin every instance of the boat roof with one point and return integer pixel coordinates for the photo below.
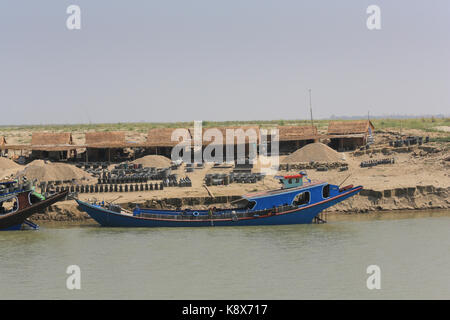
(272, 192)
(7, 182)
(290, 176)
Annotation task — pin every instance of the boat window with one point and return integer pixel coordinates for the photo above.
(297, 180)
(301, 198)
(251, 205)
(290, 180)
(244, 204)
(326, 191)
(32, 199)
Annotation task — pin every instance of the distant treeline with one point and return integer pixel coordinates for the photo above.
(422, 123)
(391, 116)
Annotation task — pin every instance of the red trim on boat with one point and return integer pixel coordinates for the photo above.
(346, 188)
(294, 176)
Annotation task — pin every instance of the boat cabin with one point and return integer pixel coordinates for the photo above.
(292, 181)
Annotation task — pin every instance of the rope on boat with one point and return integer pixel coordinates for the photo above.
(209, 192)
(345, 179)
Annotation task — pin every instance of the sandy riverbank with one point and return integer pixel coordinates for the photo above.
(368, 201)
(419, 179)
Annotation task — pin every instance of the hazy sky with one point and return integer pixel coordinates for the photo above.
(184, 60)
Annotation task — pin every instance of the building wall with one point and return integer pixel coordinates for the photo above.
(51, 155)
(163, 151)
(286, 147)
(105, 154)
(346, 144)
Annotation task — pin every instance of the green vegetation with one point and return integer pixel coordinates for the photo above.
(145, 126)
(425, 124)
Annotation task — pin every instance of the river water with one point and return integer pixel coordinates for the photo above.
(327, 261)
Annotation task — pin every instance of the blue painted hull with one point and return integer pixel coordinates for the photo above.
(301, 215)
(26, 225)
(13, 228)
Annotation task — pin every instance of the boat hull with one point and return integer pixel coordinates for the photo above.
(14, 221)
(301, 215)
(16, 227)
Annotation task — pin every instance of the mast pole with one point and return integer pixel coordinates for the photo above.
(310, 110)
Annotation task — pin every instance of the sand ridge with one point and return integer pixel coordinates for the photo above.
(317, 152)
(42, 170)
(156, 161)
(7, 164)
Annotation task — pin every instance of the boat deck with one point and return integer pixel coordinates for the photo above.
(277, 191)
(228, 214)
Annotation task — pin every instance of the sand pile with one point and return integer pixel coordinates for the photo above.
(6, 164)
(8, 168)
(156, 161)
(317, 152)
(48, 171)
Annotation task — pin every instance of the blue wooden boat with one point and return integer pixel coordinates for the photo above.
(297, 202)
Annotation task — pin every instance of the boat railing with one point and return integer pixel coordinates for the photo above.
(225, 215)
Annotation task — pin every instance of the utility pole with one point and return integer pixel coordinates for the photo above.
(310, 110)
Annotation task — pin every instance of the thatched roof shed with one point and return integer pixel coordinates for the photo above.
(246, 131)
(52, 141)
(51, 138)
(162, 137)
(349, 135)
(107, 139)
(349, 127)
(297, 133)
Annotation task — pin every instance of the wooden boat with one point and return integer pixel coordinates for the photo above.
(295, 203)
(25, 202)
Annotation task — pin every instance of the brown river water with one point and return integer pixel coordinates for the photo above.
(326, 261)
